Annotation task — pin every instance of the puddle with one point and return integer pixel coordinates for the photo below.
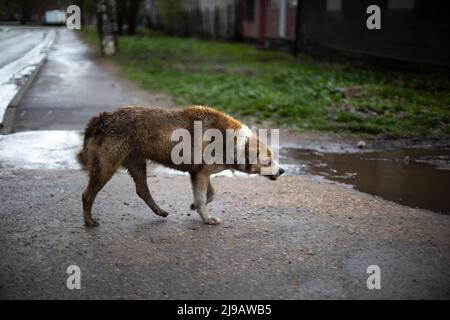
(415, 177)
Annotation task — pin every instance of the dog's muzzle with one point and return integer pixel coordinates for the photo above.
(274, 177)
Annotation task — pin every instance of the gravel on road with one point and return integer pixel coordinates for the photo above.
(297, 238)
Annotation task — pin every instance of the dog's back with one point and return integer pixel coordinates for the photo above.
(111, 137)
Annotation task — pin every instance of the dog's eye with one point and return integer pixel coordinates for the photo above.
(268, 162)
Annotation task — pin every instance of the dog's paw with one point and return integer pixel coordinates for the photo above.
(162, 213)
(212, 221)
(193, 207)
(90, 222)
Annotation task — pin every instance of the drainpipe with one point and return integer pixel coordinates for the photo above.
(262, 22)
(281, 19)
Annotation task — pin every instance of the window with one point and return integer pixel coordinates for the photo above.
(249, 10)
(401, 4)
(334, 5)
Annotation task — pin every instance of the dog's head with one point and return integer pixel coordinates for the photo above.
(260, 159)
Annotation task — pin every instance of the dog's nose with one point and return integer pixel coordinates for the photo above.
(281, 171)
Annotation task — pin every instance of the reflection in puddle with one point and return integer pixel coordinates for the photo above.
(413, 177)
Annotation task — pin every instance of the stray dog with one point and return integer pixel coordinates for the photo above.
(129, 136)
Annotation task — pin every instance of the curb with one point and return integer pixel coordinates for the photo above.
(10, 112)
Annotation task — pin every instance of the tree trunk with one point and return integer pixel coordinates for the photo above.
(107, 26)
(121, 14)
(132, 12)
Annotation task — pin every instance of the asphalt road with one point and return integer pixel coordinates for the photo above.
(296, 238)
(17, 41)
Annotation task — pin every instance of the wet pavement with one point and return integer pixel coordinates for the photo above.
(23, 50)
(72, 87)
(296, 238)
(15, 42)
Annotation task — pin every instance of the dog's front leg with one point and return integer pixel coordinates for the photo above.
(209, 195)
(200, 188)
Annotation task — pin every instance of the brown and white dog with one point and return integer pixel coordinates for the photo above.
(129, 136)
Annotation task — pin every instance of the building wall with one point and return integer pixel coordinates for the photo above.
(272, 21)
(271, 29)
(272, 18)
(250, 28)
(328, 27)
(416, 35)
(205, 18)
(218, 17)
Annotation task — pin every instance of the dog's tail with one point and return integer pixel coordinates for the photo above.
(92, 129)
(82, 159)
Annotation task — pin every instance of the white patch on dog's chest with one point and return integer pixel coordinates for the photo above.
(243, 134)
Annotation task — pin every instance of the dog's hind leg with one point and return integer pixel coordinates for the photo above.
(138, 171)
(200, 184)
(97, 181)
(209, 195)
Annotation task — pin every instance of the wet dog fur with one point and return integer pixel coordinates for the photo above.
(129, 136)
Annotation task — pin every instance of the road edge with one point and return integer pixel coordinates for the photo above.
(10, 112)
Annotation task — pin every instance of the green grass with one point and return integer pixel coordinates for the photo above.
(301, 93)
